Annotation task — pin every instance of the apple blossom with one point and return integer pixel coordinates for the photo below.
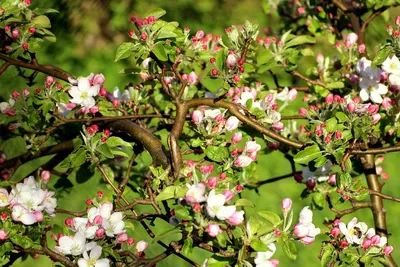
(243, 161)
(354, 231)
(141, 245)
(3, 198)
(286, 204)
(237, 137)
(215, 206)
(388, 250)
(68, 245)
(213, 230)
(251, 146)
(236, 218)
(3, 234)
(232, 123)
(92, 260)
(195, 194)
(83, 93)
(391, 65)
(262, 259)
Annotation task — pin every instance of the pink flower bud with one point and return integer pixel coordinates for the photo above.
(335, 231)
(310, 183)
(15, 33)
(379, 170)
(239, 188)
(236, 218)
(192, 78)
(361, 48)
(143, 36)
(231, 60)
(197, 116)
(122, 237)
(301, 10)
(199, 34)
(213, 230)
(286, 204)
(232, 123)
(277, 233)
(376, 118)
(144, 76)
(15, 94)
(228, 194)
(332, 179)
(98, 79)
(3, 234)
(388, 250)
(130, 241)
(307, 240)
(386, 103)
(278, 126)
(237, 137)
(372, 109)
(385, 176)
(320, 58)
(68, 222)
(300, 230)
(251, 146)
(212, 182)
(25, 92)
(100, 232)
(274, 262)
(98, 220)
(93, 110)
(352, 38)
(329, 99)
(141, 245)
(351, 107)
(366, 243)
(336, 222)
(50, 80)
(343, 243)
(397, 21)
(243, 161)
(375, 240)
(338, 134)
(303, 112)
(327, 139)
(45, 176)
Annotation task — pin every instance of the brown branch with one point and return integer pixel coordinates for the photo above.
(47, 69)
(73, 213)
(313, 82)
(144, 137)
(372, 192)
(378, 210)
(361, 34)
(382, 150)
(4, 67)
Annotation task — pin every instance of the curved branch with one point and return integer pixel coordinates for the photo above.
(47, 69)
(144, 137)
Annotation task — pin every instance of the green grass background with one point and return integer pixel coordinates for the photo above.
(88, 34)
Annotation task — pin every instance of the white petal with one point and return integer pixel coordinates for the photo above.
(83, 84)
(376, 97)
(95, 253)
(94, 90)
(102, 263)
(382, 89)
(364, 94)
(74, 92)
(82, 263)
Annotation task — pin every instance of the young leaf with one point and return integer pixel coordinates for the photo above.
(308, 154)
(156, 13)
(167, 193)
(124, 51)
(290, 249)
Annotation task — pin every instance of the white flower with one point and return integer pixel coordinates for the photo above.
(216, 208)
(123, 97)
(195, 194)
(306, 215)
(93, 260)
(320, 174)
(49, 203)
(211, 113)
(114, 224)
(83, 93)
(354, 232)
(394, 81)
(370, 85)
(391, 65)
(68, 245)
(262, 258)
(20, 214)
(7, 105)
(363, 66)
(3, 198)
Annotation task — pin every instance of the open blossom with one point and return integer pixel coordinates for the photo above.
(4, 106)
(83, 93)
(251, 146)
(305, 229)
(354, 231)
(75, 245)
(243, 161)
(213, 230)
(92, 259)
(236, 218)
(216, 208)
(232, 123)
(195, 194)
(141, 245)
(3, 198)
(369, 82)
(391, 65)
(262, 259)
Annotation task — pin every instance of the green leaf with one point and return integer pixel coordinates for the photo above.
(244, 202)
(271, 217)
(290, 249)
(307, 52)
(327, 255)
(382, 55)
(299, 40)
(167, 193)
(263, 57)
(187, 248)
(105, 151)
(345, 179)
(318, 200)
(157, 13)
(42, 21)
(78, 158)
(331, 125)
(220, 59)
(182, 212)
(159, 51)
(114, 141)
(124, 51)
(335, 85)
(116, 151)
(342, 117)
(165, 234)
(217, 153)
(167, 32)
(308, 154)
(257, 245)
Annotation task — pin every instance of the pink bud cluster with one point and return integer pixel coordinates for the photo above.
(203, 42)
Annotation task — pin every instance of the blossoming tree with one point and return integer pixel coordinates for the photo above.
(202, 116)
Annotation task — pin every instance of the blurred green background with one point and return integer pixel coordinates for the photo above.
(88, 33)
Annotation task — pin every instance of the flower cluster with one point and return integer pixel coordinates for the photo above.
(305, 229)
(28, 201)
